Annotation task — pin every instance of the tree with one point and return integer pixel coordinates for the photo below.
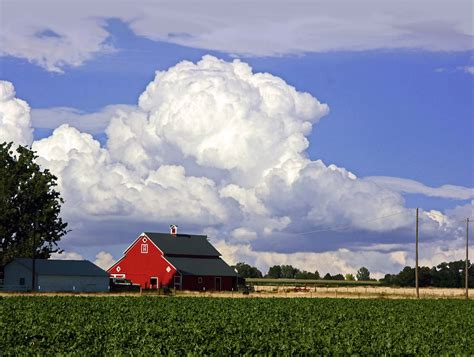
(338, 277)
(445, 275)
(274, 272)
(288, 271)
(307, 275)
(29, 206)
(246, 271)
(349, 277)
(389, 279)
(363, 274)
(327, 277)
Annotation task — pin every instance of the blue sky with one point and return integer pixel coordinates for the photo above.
(393, 113)
(399, 112)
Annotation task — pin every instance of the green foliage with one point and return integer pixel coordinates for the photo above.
(288, 271)
(339, 277)
(445, 275)
(363, 274)
(246, 271)
(29, 206)
(274, 272)
(349, 277)
(224, 327)
(307, 275)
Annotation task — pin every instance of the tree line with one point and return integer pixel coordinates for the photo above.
(289, 272)
(444, 275)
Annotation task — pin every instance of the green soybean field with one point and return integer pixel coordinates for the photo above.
(224, 326)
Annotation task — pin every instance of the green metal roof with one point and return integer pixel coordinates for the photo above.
(183, 244)
(202, 266)
(62, 267)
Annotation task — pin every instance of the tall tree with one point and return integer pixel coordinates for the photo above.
(247, 271)
(288, 271)
(274, 272)
(363, 274)
(327, 277)
(29, 206)
(349, 277)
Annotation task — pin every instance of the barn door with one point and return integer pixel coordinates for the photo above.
(218, 283)
(153, 282)
(178, 282)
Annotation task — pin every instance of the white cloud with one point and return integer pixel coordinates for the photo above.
(93, 184)
(243, 234)
(69, 33)
(219, 115)
(104, 260)
(93, 123)
(345, 261)
(411, 186)
(15, 122)
(218, 148)
(460, 213)
(67, 256)
(469, 69)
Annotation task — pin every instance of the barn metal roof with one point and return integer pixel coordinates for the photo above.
(201, 266)
(62, 267)
(183, 244)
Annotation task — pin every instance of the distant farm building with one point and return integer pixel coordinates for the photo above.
(180, 261)
(55, 276)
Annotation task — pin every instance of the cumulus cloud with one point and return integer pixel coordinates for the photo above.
(345, 261)
(104, 260)
(94, 184)
(67, 256)
(15, 124)
(93, 123)
(469, 69)
(219, 116)
(214, 146)
(411, 186)
(63, 34)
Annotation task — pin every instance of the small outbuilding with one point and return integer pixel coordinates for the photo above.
(55, 276)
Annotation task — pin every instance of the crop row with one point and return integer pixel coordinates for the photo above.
(177, 326)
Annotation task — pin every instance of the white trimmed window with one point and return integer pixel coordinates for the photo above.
(200, 280)
(144, 248)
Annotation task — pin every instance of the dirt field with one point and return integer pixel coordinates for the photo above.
(341, 292)
(370, 292)
(361, 292)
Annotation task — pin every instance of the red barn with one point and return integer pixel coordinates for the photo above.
(181, 261)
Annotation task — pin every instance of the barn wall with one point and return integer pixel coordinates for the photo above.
(14, 271)
(54, 283)
(139, 267)
(191, 282)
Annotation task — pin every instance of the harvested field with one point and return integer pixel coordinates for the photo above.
(268, 291)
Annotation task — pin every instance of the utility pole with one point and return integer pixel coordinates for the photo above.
(416, 260)
(33, 256)
(466, 271)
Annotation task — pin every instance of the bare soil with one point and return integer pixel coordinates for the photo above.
(371, 292)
